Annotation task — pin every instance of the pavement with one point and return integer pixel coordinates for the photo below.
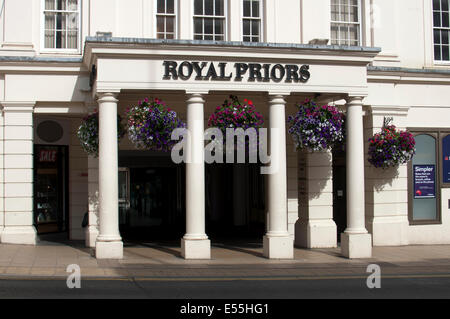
(230, 261)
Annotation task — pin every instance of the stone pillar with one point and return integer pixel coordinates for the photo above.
(277, 243)
(109, 243)
(315, 227)
(18, 174)
(195, 243)
(91, 231)
(2, 206)
(356, 242)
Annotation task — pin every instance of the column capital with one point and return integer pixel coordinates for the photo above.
(355, 99)
(107, 97)
(195, 97)
(277, 98)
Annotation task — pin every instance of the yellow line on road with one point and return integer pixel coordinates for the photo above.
(197, 279)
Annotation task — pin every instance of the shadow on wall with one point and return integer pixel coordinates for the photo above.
(384, 177)
(322, 175)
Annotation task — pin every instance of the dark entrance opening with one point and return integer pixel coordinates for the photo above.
(340, 191)
(151, 197)
(51, 204)
(235, 202)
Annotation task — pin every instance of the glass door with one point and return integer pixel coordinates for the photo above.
(124, 195)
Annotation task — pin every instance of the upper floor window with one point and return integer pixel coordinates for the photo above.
(441, 30)
(166, 19)
(345, 22)
(209, 20)
(62, 24)
(251, 22)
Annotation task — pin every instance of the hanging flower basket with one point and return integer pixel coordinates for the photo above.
(391, 147)
(150, 125)
(234, 114)
(88, 133)
(317, 128)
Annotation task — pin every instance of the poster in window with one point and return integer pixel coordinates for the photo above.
(424, 181)
(446, 159)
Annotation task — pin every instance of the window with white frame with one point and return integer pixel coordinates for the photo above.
(209, 20)
(166, 19)
(61, 24)
(441, 30)
(251, 20)
(345, 22)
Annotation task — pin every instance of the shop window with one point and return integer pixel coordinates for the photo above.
(166, 22)
(346, 22)
(251, 21)
(61, 25)
(209, 20)
(441, 30)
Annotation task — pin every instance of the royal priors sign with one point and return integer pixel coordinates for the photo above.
(222, 71)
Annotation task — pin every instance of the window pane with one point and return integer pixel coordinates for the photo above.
(445, 37)
(437, 19)
(49, 4)
(246, 39)
(353, 33)
(160, 24)
(354, 14)
(436, 5)
(445, 53)
(208, 37)
(255, 9)
(209, 7)
(218, 26)
(49, 39)
(72, 39)
(72, 21)
(344, 13)
(73, 5)
(208, 26)
(198, 7)
(334, 13)
(60, 4)
(444, 4)
(219, 8)
(246, 27)
(255, 28)
(247, 8)
(198, 26)
(445, 19)
(50, 21)
(437, 36)
(170, 36)
(161, 6)
(170, 25)
(170, 6)
(198, 37)
(437, 52)
(425, 208)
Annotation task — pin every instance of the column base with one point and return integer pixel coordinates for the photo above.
(91, 234)
(20, 235)
(356, 245)
(196, 248)
(389, 231)
(109, 250)
(278, 247)
(316, 234)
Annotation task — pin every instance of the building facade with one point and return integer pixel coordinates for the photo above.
(62, 59)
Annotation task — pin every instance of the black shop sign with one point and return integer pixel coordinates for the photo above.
(253, 72)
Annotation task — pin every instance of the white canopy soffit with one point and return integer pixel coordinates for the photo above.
(119, 64)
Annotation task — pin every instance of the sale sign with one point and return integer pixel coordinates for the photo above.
(424, 181)
(47, 156)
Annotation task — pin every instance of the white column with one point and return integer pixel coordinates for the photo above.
(356, 242)
(277, 243)
(17, 187)
(195, 244)
(2, 207)
(91, 231)
(109, 243)
(315, 227)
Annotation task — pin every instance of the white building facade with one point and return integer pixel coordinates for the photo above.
(62, 59)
